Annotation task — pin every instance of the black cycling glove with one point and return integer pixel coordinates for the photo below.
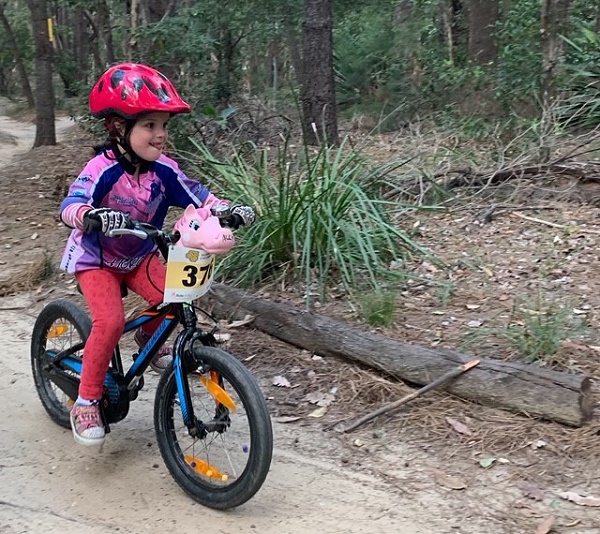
(242, 215)
(109, 219)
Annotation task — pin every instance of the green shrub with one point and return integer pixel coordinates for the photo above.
(320, 219)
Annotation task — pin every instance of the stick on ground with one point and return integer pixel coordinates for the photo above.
(457, 371)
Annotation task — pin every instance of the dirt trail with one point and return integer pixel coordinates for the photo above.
(50, 485)
(16, 137)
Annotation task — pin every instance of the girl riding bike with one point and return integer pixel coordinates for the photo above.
(130, 177)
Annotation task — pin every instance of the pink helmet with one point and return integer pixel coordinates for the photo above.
(130, 89)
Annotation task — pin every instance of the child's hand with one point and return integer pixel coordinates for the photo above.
(104, 220)
(242, 215)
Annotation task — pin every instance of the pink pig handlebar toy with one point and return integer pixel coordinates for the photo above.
(199, 228)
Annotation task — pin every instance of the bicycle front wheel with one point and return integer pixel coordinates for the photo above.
(228, 464)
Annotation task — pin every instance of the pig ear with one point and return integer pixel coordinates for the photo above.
(190, 211)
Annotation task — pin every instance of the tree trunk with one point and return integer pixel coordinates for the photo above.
(554, 23)
(225, 54)
(103, 15)
(45, 132)
(10, 36)
(318, 87)
(483, 15)
(132, 45)
(81, 45)
(294, 51)
(157, 10)
(454, 27)
(520, 388)
(94, 42)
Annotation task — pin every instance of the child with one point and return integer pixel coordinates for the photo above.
(129, 178)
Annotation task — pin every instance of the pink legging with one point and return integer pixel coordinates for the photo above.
(102, 291)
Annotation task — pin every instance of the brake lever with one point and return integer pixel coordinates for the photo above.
(128, 231)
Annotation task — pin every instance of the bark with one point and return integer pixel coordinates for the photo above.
(294, 51)
(554, 23)
(225, 51)
(104, 23)
(482, 21)
(157, 11)
(94, 42)
(524, 389)
(318, 87)
(454, 27)
(45, 132)
(132, 45)
(20, 65)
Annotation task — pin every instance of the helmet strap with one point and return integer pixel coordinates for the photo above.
(126, 156)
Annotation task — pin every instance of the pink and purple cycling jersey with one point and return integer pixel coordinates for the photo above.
(104, 183)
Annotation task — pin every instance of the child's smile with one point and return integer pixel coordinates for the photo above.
(149, 135)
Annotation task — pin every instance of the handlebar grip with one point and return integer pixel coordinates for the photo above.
(92, 225)
(232, 221)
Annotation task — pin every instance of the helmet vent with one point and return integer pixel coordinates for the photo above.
(116, 78)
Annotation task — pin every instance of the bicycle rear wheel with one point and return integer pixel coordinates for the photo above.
(227, 466)
(60, 325)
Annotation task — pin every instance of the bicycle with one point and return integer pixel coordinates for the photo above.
(211, 419)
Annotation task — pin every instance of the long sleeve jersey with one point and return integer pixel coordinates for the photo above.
(105, 183)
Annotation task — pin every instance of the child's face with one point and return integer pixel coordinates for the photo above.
(149, 135)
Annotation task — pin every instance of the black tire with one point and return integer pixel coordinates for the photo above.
(247, 451)
(77, 326)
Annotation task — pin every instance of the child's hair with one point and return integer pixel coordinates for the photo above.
(110, 123)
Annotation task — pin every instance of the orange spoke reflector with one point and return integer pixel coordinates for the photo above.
(58, 330)
(70, 402)
(200, 466)
(219, 394)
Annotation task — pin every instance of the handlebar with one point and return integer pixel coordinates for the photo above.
(137, 229)
(144, 230)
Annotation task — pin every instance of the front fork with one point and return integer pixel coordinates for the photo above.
(183, 364)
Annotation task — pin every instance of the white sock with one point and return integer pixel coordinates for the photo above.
(84, 402)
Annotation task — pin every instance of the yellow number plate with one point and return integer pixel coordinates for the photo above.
(190, 274)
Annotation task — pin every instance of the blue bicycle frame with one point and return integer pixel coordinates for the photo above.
(117, 382)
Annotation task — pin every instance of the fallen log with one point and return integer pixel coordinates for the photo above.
(517, 387)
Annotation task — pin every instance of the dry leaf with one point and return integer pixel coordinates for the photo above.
(282, 382)
(319, 412)
(487, 462)
(532, 492)
(545, 526)
(319, 398)
(472, 306)
(448, 481)
(580, 499)
(458, 426)
(503, 297)
(236, 324)
(287, 419)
